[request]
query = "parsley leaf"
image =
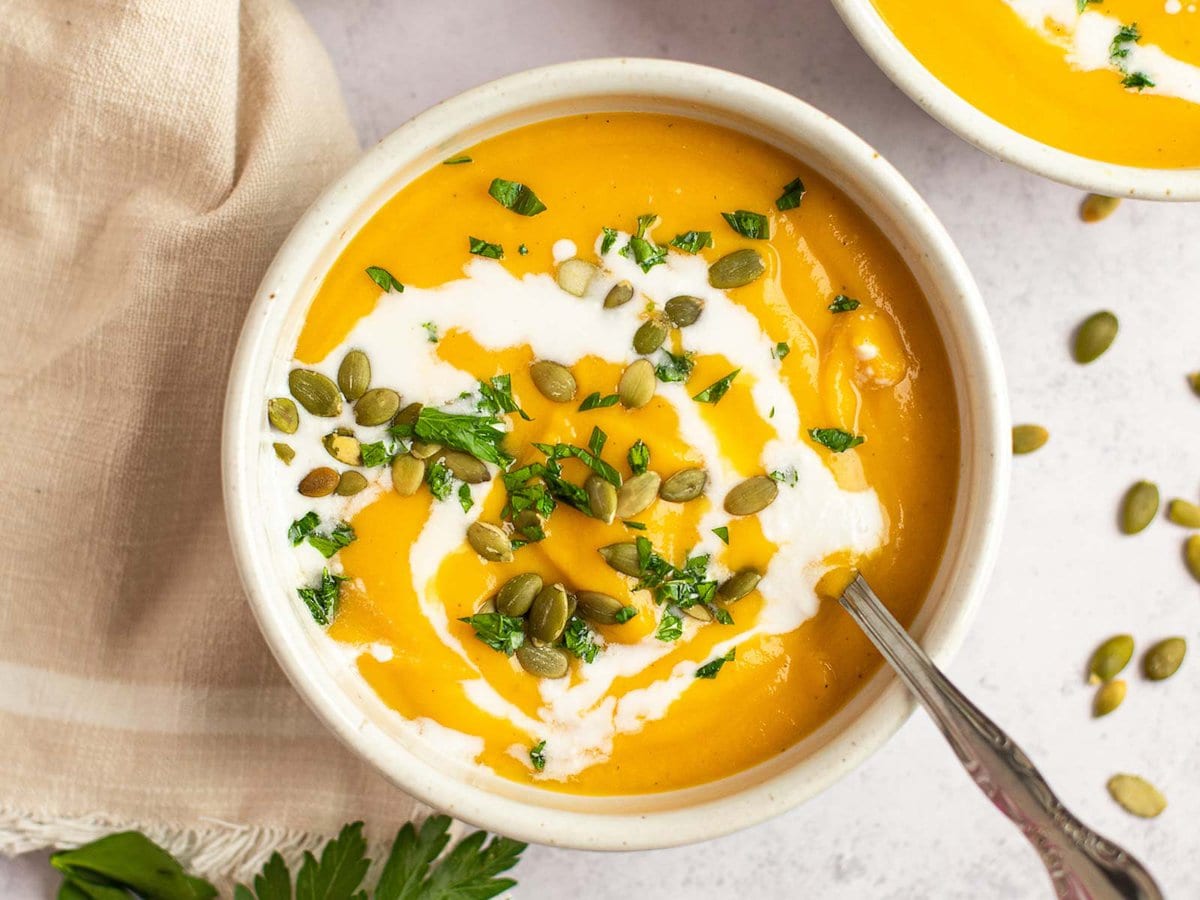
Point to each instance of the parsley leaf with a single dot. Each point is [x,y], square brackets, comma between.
[639,457]
[385,279]
[523,250]
[841,303]
[327,545]
[711,668]
[692,241]
[674,367]
[610,238]
[496,396]
[722,532]
[1081,5]
[439,479]
[595,401]
[577,639]
[589,458]
[303,527]
[465,500]
[500,632]
[835,439]
[537,756]
[516,196]
[431,332]
[322,599]
[722,615]
[715,391]
[467,872]
[788,476]
[781,350]
[457,160]
[636,526]
[681,587]
[480,247]
[341,869]
[624,614]
[1121,43]
[477,435]
[748,224]
[597,440]
[1139,80]
[644,253]
[793,193]
[123,865]
[377,454]
[670,627]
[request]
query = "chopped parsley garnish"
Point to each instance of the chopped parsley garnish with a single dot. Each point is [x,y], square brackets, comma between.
[1122,41]
[537,756]
[457,160]
[377,454]
[781,350]
[480,247]
[670,627]
[610,238]
[597,440]
[674,367]
[721,615]
[644,253]
[303,527]
[385,279]
[722,532]
[1081,5]
[589,458]
[577,639]
[328,544]
[681,587]
[748,224]
[692,241]
[624,614]
[636,526]
[431,332]
[523,250]
[522,496]
[477,435]
[439,479]
[788,476]
[322,599]
[639,457]
[496,396]
[793,193]
[715,391]
[595,401]
[516,196]
[465,500]
[841,303]
[835,439]
[502,633]
[712,667]
[1139,80]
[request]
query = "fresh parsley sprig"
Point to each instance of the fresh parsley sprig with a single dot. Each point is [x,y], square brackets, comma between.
[478,435]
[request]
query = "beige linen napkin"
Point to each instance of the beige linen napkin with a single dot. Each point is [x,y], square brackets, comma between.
[153,155]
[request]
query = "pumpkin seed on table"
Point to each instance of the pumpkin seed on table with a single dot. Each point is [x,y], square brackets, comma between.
[637,493]
[283,415]
[354,375]
[285,452]
[739,584]
[1136,795]
[1164,658]
[575,275]
[602,498]
[1110,695]
[623,557]
[1027,438]
[466,467]
[344,448]
[320,482]
[683,310]
[751,496]
[1110,658]
[1094,336]
[350,483]
[424,449]
[490,542]
[1097,207]
[1183,513]
[1139,507]
[516,595]
[597,607]
[315,392]
[376,407]
[684,485]
[618,295]
[637,385]
[1191,555]
[549,613]
[408,474]
[544,662]
[650,336]
[553,381]
[736,269]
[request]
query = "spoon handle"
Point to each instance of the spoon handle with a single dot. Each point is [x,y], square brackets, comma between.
[1082,864]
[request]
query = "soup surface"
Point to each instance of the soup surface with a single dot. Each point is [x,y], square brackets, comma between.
[1117,81]
[590,559]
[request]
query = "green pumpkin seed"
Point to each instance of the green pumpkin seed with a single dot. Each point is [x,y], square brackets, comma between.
[599,608]
[1108,698]
[618,295]
[343,448]
[554,382]
[549,613]
[1110,658]
[320,482]
[683,310]
[699,613]
[284,452]
[650,336]
[1096,207]
[637,385]
[316,393]
[1191,555]
[1164,658]
[574,276]
[544,662]
[354,375]
[623,557]
[516,595]
[376,407]
[490,542]
[350,483]
[1139,507]
[424,449]
[602,498]
[409,414]
[751,496]
[283,415]
[1136,795]
[1194,381]
[684,485]
[1027,438]
[527,522]
[736,269]
[1094,335]
[465,467]
[739,584]
[408,473]
[1183,513]
[637,493]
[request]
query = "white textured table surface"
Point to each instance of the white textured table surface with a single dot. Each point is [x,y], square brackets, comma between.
[909,824]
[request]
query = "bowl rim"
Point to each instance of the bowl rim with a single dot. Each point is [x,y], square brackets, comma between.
[287,276]
[993,137]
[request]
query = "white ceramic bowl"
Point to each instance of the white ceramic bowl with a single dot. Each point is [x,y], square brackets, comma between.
[349,707]
[1002,142]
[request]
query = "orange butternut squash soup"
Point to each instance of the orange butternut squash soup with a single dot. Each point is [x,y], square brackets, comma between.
[1117,81]
[574,428]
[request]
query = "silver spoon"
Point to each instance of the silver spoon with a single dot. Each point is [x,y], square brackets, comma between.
[1082,864]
